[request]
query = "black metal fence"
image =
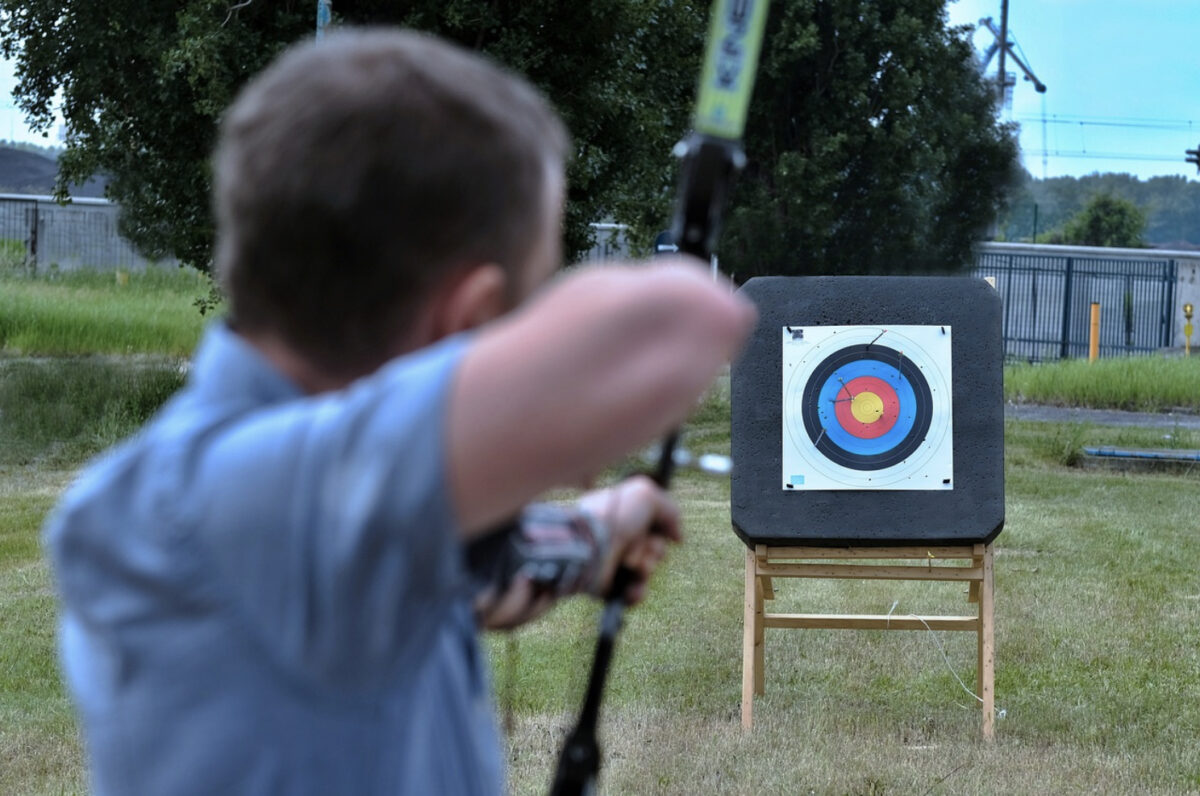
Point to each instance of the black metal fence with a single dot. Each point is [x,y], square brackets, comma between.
[82,234]
[1048,298]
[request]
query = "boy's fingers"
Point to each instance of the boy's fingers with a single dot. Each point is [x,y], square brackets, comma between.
[518,604]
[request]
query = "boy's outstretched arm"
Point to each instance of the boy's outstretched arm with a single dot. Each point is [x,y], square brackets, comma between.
[601,362]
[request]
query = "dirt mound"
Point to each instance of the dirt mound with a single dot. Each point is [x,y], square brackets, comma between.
[31,173]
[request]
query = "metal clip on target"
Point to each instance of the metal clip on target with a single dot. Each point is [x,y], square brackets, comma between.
[710,156]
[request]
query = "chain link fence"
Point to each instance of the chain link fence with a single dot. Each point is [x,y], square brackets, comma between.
[43,235]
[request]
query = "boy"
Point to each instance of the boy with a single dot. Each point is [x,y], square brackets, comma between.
[267,591]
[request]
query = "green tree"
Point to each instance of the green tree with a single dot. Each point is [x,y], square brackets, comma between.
[1106,220]
[872,137]
[141,86]
[1171,206]
[1016,219]
[1172,211]
[873,144]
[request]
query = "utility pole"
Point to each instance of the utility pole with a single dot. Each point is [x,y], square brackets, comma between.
[1002,78]
[1004,47]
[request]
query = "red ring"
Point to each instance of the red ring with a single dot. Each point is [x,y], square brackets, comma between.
[875,428]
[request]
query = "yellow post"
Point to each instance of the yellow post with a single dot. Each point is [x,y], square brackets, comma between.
[1094,337]
[1187,330]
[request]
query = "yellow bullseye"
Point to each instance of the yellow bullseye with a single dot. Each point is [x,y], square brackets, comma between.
[867,407]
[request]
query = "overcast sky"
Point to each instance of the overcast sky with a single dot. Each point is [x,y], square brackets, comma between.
[1122,78]
[12,121]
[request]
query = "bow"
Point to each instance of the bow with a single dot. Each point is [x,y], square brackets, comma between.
[710,156]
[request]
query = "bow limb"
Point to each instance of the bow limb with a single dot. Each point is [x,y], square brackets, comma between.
[710,155]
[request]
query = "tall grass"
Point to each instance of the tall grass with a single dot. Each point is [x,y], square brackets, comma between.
[1147,384]
[59,411]
[101,312]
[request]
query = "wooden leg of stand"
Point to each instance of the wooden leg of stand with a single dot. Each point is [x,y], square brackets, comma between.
[750,633]
[761,592]
[976,561]
[987,646]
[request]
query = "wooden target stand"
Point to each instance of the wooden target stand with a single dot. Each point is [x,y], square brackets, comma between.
[801,520]
[765,563]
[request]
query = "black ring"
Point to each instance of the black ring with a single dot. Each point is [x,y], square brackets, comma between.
[886,356]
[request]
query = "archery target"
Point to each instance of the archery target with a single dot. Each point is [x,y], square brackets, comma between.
[867,407]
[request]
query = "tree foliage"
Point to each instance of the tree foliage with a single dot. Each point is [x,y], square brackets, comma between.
[1105,221]
[873,144]
[872,141]
[1171,206]
[142,85]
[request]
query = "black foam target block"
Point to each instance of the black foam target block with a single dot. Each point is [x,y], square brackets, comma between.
[850,383]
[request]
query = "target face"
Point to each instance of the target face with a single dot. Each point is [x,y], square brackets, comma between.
[866,407]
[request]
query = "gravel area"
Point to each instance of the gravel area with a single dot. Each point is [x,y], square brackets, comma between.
[1101,417]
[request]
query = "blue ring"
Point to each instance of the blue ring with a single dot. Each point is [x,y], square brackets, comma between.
[832,390]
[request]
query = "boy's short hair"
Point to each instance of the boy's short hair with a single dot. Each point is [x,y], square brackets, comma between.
[358,170]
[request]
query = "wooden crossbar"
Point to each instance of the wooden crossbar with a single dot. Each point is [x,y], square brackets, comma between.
[961,552]
[904,572]
[764,563]
[871,622]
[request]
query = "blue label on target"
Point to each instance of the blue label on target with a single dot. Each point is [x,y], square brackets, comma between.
[867,407]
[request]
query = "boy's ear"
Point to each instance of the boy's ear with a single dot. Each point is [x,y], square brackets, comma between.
[474,299]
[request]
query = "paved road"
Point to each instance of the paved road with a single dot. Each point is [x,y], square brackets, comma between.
[1101,417]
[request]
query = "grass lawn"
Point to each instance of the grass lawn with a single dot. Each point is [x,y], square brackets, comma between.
[39,746]
[1097,606]
[1097,662]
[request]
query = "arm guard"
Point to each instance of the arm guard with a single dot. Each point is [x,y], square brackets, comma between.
[561,550]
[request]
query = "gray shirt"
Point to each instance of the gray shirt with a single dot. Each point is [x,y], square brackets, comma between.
[264,592]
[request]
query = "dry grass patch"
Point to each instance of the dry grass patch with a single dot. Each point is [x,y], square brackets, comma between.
[825,750]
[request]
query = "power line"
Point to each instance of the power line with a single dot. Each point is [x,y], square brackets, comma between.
[1134,125]
[1085,117]
[1058,153]
[1098,121]
[1083,123]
